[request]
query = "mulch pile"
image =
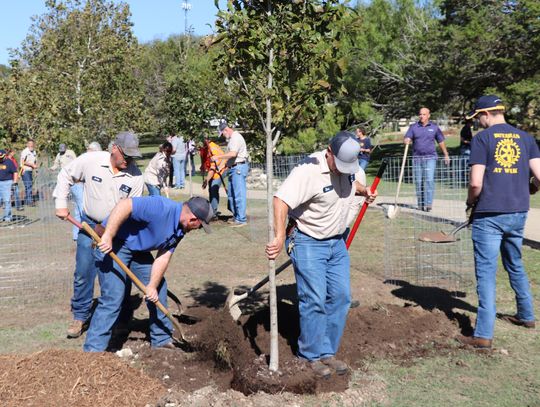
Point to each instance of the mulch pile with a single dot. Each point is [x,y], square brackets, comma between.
[73,378]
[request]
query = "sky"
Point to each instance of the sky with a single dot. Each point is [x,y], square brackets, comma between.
[152,19]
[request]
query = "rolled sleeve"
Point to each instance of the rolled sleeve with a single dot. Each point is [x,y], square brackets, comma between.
[439,136]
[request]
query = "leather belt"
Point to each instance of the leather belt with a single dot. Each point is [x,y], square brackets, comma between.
[235,164]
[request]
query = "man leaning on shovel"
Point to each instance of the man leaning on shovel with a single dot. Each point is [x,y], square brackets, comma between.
[319,196]
[135,228]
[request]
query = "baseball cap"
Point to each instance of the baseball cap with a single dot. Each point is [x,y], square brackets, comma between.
[222,126]
[129,143]
[486,103]
[2,154]
[345,149]
[62,148]
[201,208]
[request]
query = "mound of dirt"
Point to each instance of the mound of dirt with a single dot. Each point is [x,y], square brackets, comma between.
[68,377]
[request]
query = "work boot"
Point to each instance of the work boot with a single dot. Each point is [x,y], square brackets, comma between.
[475,342]
[513,319]
[340,367]
[320,369]
[75,329]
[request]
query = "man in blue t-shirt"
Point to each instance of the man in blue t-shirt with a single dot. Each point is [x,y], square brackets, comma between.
[423,135]
[501,158]
[8,175]
[365,147]
[135,227]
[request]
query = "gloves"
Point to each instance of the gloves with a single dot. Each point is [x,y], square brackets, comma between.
[204,184]
[533,189]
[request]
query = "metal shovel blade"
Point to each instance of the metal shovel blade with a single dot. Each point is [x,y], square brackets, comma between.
[233,302]
[392,211]
[437,237]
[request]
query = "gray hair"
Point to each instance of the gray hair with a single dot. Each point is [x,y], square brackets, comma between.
[93,146]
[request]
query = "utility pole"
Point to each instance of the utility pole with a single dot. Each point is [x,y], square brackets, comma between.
[186,6]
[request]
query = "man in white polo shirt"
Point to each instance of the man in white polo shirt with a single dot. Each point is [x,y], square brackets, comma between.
[108,178]
[237,160]
[320,196]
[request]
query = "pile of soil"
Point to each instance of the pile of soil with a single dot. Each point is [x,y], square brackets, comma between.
[74,378]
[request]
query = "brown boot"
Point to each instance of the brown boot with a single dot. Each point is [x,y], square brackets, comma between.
[513,319]
[340,367]
[75,329]
[320,369]
[475,342]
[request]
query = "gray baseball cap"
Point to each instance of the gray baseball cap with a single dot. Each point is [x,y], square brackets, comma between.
[62,148]
[345,149]
[200,207]
[129,143]
[222,126]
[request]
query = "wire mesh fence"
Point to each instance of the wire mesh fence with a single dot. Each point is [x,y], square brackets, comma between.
[407,258]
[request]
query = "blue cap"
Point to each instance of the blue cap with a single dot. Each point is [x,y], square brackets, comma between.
[2,154]
[486,103]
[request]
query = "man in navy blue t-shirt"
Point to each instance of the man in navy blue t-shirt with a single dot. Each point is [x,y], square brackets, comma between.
[135,227]
[501,158]
[8,175]
[365,147]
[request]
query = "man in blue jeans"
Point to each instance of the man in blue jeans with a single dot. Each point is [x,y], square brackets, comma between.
[423,136]
[134,228]
[178,159]
[501,158]
[8,175]
[320,198]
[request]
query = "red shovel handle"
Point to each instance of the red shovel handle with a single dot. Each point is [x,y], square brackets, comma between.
[366,204]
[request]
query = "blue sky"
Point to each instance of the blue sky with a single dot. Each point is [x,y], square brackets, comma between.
[152,19]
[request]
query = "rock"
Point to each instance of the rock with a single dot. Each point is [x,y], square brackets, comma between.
[124,353]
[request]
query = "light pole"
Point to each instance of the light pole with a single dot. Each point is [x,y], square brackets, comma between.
[186,6]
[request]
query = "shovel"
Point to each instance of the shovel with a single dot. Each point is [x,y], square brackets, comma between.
[84,226]
[441,237]
[392,211]
[236,295]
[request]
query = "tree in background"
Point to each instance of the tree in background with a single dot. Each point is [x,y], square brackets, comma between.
[73,77]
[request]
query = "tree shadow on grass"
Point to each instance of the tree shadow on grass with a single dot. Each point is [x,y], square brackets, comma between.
[430,298]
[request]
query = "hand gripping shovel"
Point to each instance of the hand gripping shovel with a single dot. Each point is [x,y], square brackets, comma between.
[84,226]
[236,295]
[392,211]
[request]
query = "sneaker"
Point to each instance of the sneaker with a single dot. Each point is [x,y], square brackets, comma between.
[340,367]
[75,329]
[513,319]
[427,209]
[320,369]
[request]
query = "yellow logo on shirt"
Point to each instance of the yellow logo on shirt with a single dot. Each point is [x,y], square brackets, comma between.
[507,153]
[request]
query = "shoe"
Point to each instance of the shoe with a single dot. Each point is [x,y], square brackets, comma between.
[20,209]
[340,367]
[513,319]
[320,369]
[427,209]
[475,342]
[238,224]
[75,329]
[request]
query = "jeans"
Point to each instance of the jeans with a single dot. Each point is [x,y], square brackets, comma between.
[363,163]
[27,181]
[238,191]
[16,196]
[213,193]
[322,275]
[192,160]
[491,233]
[113,282]
[77,191]
[179,172]
[5,198]
[424,179]
[153,190]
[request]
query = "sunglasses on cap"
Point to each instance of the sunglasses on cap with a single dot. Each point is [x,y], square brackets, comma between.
[124,156]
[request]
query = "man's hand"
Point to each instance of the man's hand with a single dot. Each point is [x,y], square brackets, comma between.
[469,210]
[62,213]
[274,248]
[446,160]
[106,243]
[214,158]
[406,140]
[151,294]
[370,195]
[533,188]
[204,184]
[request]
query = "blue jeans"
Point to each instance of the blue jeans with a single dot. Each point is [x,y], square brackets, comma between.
[113,284]
[27,181]
[363,163]
[491,233]
[179,172]
[5,198]
[424,179]
[322,275]
[77,191]
[213,193]
[153,190]
[238,191]
[192,159]
[16,197]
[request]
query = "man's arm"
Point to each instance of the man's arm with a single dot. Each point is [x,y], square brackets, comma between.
[442,145]
[69,175]
[159,267]
[281,210]
[534,165]
[56,163]
[476,183]
[119,214]
[228,155]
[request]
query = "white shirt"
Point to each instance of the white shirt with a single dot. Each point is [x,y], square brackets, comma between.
[157,171]
[62,160]
[322,203]
[102,188]
[238,144]
[28,157]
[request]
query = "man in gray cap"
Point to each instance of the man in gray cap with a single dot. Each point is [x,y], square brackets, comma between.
[135,228]
[108,178]
[321,196]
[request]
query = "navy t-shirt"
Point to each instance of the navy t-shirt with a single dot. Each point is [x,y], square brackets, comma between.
[505,151]
[365,143]
[154,224]
[7,169]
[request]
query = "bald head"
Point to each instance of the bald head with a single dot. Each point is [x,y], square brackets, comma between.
[424,115]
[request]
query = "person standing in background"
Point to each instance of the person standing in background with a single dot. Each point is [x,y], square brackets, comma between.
[178,160]
[157,172]
[15,187]
[28,165]
[365,147]
[8,175]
